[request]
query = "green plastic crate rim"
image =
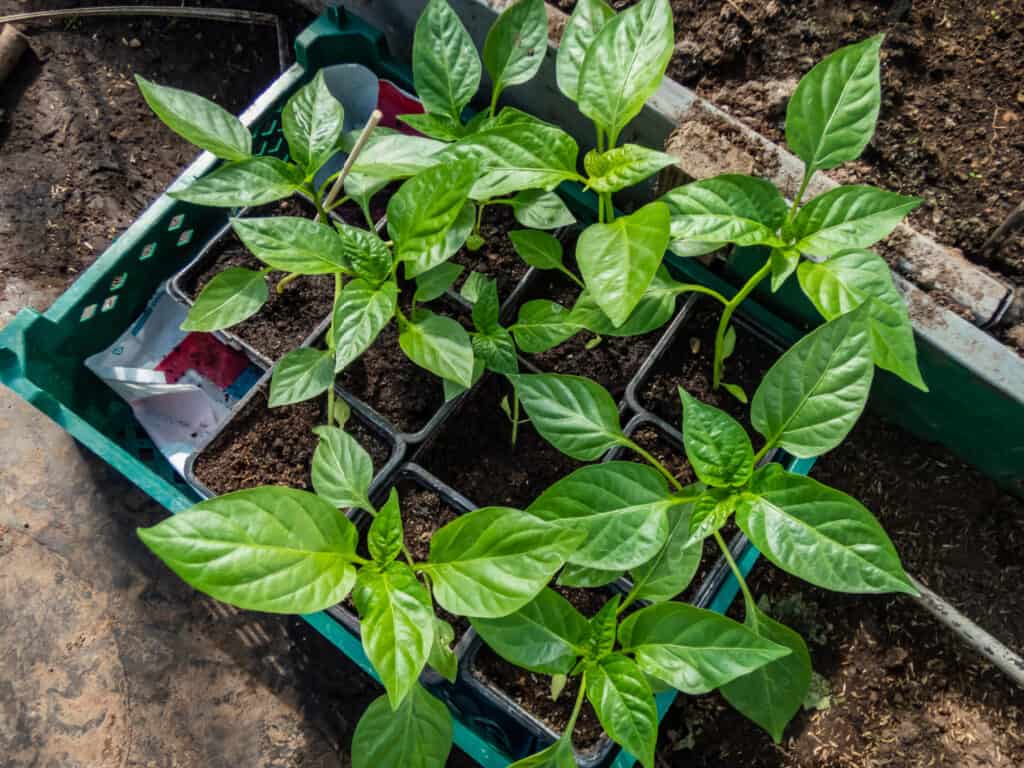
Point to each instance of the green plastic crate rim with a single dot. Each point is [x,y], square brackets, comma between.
[42,355]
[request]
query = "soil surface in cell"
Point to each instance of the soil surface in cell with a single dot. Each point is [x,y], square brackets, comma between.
[496,258]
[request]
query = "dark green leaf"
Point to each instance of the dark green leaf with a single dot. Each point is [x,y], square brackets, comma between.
[434,282]
[342,469]
[293,244]
[385,538]
[672,569]
[445,66]
[229,298]
[717,446]
[271,549]
[366,254]
[435,126]
[418,262]
[301,374]
[418,734]
[602,626]
[624,704]
[588,17]
[438,344]
[622,167]
[542,325]
[538,249]
[848,217]
[255,181]
[360,314]
[312,122]
[497,350]
[541,210]
[487,307]
[516,44]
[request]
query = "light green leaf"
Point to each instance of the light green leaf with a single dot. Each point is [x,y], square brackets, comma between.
[301,374]
[293,244]
[360,314]
[442,658]
[435,126]
[544,636]
[493,561]
[558,755]
[711,511]
[472,286]
[772,694]
[271,549]
[730,208]
[487,307]
[601,630]
[438,344]
[784,262]
[656,307]
[342,470]
[625,63]
[418,734]
[813,395]
[538,249]
[229,298]
[312,122]
[255,181]
[587,20]
[672,569]
[541,210]
[831,115]
[543,325]
[852,278]
[619,260]
[717,446]
[391,156]
[426,206]
[516,44]
[692,649]
[620,505]
[497,350]
[624,704]
[396,623]
[197,120]
[590,578]
[418,262]
[848,217]
[434,282]
[819,534]
[445,65]
[453,390]
[365,252]
[574,414]
[622,167]
[386,536]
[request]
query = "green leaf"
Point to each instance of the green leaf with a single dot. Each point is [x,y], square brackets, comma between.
[541,210]
[365,252]
[587,20]
[453,390]
[438,344]
[544,636]
[391,156]
[692,649]
[271,549]
[472,286]
[813,395]
[197,120]
[385,537]
[293,244]
[672,569]
[711,511]
[301,374]
[516,43]
[493,561]
[497,350]
[418,262]
[730,208]
[418,734]
[229,298]
[831,116]
[655,308]
[434,282]
[625,63]
[442,658]
[426,206]
[736,391]
[590,578]
[717,446]
[445,65]
[619,260]
[342,470]
[622,167]
[396,623]
[574,414]
[558,755]
[819,534]
[849,217]
[772,694]
[542,325]
[435,126]
[784,262]
[487,307]
[255,181]
[360,314]
[538,249]
[514,157]
[312,122]
[850,279]
[620,505]
[601,634]
[624,704]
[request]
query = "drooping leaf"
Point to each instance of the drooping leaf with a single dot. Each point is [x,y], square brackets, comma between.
[232,296]
[434,282]
[516,43]
[693,649]
[849,217]
[574,414]
[418,734]
[624,704]
[301,374]
[543,325]
[367,255]
[386,536]
[360,314]
[850,279]
[538,209]
[427,205]
[622,167]
[445,65]
[819,534]
[271,549]
[538,249]
[717,446]
[625,63]
[442,658]
[493,561]
[342,470]
[831,115]
[255,181]
[293,244]
[438,344]
[619,260]
[586,21]
[544,636]
[673,567]
[197,120]
[312,122]
[621,507]
[813,395]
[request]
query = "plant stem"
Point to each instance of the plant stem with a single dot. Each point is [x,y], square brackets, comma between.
[808,173]
[568,273]
[600,138]
[284,281]
[761,454]
[480,216]
[697,288]
[494,101]
[747,596]
[609,208]
[600,209]
[577,707]
[730,307]
[654,463]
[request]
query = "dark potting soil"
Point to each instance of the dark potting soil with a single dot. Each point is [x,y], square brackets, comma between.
[473,452]
[688,363]
[496,258]
[664,449]
[273,446]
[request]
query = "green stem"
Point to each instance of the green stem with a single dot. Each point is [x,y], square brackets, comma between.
[696,288]
[600,209]
[338,284]
[747,596]
[494,100]
[283,282]
[808,173]
[568,273]
[600,138]
[609,208]
[577,707]
[730,307]
[480,216]
[654,463]
[515,417]
[761,454]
